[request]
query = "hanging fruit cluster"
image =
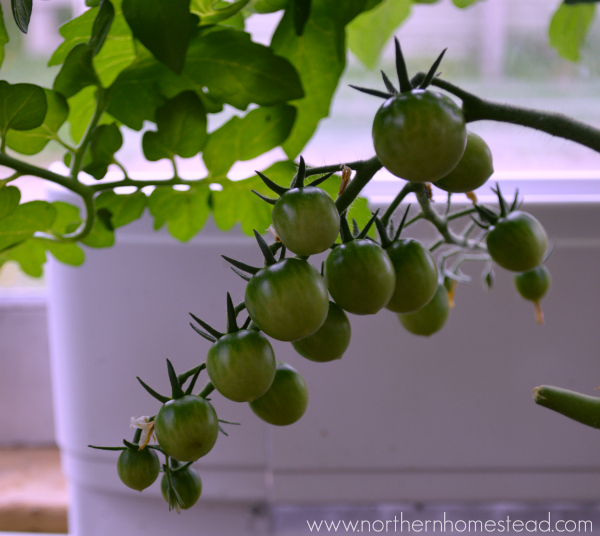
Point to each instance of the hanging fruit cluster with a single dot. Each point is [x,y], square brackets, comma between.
[420,136]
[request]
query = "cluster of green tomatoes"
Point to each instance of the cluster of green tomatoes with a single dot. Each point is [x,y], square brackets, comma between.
[419,136]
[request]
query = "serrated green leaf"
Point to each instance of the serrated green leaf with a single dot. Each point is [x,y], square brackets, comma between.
[9,200]
[319,54]
[369,32]
[106,140]
[101,26]
[24,221]
[245,138]
[33,141]
[163,28]
[22,13]
[100,236]
[181,124]
[569,27]
[184,212]
[3,36]
[77,72]
[67,218]
[123,208]
[22,106]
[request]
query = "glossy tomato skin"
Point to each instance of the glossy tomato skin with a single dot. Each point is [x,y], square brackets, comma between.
[360,277]
[330,341]
[517,242]
[534,284]
[416,275]
[472,171]
[187,484]
[306,220]
[430,318]
[287,300]
[285,401]
[138,469]
[419,136]
[187,428]
[241,365]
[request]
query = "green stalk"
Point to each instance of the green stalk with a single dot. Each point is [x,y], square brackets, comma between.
[579,407]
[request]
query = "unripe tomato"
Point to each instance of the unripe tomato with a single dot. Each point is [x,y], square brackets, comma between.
[416,275]
[187,484]
[241,365]
[287,300]
[285,401]
[138,469]
[360,277]
[330,341]
[534,284]
[187,428]
[472,171]
[430,318]
[306,220]
[420,135]
[517,242]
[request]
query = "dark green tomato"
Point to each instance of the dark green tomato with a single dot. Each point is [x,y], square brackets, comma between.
[330,341]
[241,365]
[187,428]
[431,317]
[287,300]
[416,275]
[138,469]
[473,170]
[534,284]
[360,277]
[285,401]
[419,136]
[306,220]
[517,242]
[187,484]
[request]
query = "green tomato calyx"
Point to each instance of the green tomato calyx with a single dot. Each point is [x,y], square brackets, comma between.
[490,217]
[387,236]
[347,235]
[210,333]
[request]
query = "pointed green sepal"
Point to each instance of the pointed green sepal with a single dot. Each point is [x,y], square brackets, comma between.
[403,79]
[388,84]
[246,323]
[279,190]
[318,181]
[190,387]
[152,392]
[242,266]
[265,198]
[516,204]
[364,232]
[373,92]
[183,377]
[355,229]
[401,226]
[177,391]
[282,254]
[298,180]
[106,448]
[130,446]
[480,224]
[181,467]
[244,276]
[486,214]
[345,233]
[501,201]
[431,74]
[232,326]
[206,336]
[208,328]
[383,236]
[266,250]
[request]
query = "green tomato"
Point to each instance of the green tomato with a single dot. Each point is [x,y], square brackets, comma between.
[416,275]
[330,341]
[186,482]
[473,170]
[430,318]
[360,277]
[534,284]
[138,469]
[285,401]
[241,365]
[306,220]
[287,300]
[419,136]
[187,428]
[517,242]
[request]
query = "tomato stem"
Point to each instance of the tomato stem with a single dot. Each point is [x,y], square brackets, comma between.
[579,407]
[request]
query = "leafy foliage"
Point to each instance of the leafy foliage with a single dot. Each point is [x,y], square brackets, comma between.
[569,27]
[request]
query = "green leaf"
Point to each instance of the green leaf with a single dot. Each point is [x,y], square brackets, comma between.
[319,54]
[9,200]
[101,235]
[164,28]
[184,212]
[464,3]
[106,140]
[65,252]
[369,32]
[101,26]
[238,71]
[3,36]
[77,72]
[301,9]
[245,138]
[81,109]
[33,141]
[569,27]
[215,12]
[22,13]
[22,106]
[30,255]
[268,6]
[67,218]
[74,32]
[181,124]
[24,221]
[123,208]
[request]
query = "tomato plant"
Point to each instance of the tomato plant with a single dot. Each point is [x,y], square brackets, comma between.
[185,484]
[533,286]
[430,318]
[138,469]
